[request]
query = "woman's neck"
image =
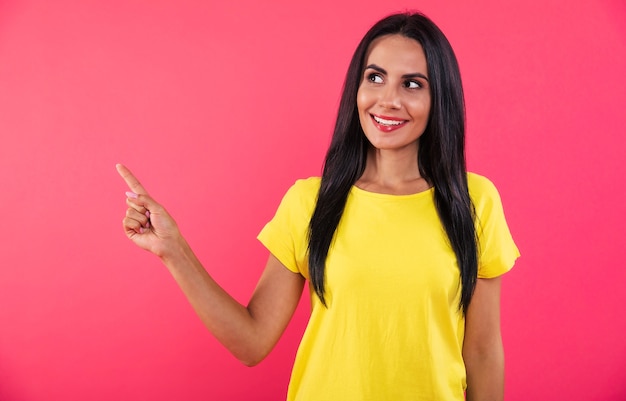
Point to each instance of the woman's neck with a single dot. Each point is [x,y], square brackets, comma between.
[392,172]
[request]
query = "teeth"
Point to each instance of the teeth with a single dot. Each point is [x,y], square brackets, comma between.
[387,122]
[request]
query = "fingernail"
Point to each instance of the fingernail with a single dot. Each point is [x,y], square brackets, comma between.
[140,230]
[148,214]
[132,195]
[148,225]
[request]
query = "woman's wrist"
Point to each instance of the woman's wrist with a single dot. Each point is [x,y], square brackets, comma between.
[177,250]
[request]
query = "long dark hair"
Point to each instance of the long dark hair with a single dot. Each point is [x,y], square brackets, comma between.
[441,153]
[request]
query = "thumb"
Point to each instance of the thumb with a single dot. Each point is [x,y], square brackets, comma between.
[143,201]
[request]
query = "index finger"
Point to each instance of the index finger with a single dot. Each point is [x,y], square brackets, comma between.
[132,182]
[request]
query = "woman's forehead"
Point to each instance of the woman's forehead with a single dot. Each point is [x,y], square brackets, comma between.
[396,52]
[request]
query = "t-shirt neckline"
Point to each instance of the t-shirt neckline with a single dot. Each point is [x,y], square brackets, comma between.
[359,191]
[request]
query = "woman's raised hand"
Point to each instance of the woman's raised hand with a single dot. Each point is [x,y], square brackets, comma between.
[146,222]
[248,332]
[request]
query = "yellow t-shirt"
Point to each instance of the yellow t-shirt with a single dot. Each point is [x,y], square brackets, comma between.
[392,329]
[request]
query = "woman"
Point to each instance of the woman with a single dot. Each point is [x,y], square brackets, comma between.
[402,247]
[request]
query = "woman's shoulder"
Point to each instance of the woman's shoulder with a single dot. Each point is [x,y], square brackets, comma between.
[478,181]
[310,184]
[303,192]
[481,189]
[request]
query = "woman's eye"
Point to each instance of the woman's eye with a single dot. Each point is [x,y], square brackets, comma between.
[375,78]
[412,84]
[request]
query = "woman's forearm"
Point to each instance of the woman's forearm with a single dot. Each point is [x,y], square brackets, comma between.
[229,321]
[483,351]
[485,374]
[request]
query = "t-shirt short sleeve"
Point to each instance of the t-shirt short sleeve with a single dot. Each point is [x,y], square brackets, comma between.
[497,250]
[285,236]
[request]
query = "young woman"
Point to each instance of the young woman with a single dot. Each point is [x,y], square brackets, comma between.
[402,247]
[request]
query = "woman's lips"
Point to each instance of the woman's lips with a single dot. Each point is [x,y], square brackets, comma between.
[386,123]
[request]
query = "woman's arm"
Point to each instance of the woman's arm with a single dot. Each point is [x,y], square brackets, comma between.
[249,333]
[483,352]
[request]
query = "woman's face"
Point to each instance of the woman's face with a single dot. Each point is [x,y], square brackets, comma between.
[394,97]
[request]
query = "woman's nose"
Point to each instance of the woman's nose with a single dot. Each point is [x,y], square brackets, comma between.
[390,98]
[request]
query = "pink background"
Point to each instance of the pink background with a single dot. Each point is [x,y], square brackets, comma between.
[218,107]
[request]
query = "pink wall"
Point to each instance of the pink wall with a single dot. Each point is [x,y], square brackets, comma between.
[218,107]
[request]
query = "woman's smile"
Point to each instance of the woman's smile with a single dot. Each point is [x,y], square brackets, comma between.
[388,124]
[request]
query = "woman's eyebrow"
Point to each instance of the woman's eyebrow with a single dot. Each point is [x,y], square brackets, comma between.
[382,71]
